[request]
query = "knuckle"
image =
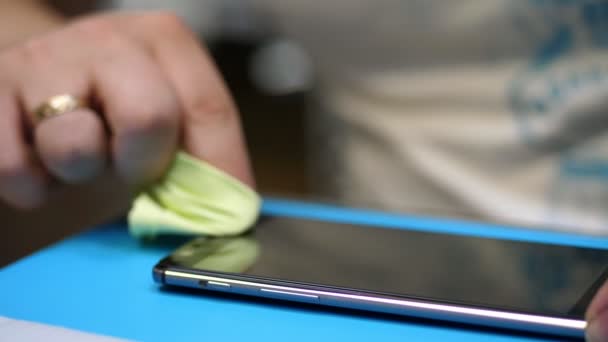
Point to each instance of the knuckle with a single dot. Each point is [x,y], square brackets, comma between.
[167,21]
[203,111]
[98,29]
[149,120]
[32,51]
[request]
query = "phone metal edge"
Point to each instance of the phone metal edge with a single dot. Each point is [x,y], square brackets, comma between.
[413,308]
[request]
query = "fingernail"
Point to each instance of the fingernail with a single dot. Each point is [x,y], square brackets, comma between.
[597,330]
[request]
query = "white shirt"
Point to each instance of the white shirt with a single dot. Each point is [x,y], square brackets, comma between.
[491,107]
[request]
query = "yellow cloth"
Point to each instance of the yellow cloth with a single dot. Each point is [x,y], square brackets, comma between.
[194,198]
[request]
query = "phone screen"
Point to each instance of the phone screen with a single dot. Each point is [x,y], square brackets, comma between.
[511,275]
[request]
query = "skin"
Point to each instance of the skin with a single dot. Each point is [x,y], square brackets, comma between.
[597,316]
[152,88]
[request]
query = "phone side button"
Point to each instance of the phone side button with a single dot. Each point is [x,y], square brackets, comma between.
[215,285]
[292,296]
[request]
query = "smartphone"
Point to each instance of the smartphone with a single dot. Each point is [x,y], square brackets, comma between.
[518,285]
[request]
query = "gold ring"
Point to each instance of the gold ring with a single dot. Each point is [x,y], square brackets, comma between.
[58,105]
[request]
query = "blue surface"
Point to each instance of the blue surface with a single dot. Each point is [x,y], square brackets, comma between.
[100,282]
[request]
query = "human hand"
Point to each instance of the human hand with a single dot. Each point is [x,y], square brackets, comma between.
[597,316]
[151,87]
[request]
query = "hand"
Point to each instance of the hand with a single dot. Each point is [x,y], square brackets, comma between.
[153,89]
[597,317]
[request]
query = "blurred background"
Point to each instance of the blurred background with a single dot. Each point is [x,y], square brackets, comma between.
[488,109]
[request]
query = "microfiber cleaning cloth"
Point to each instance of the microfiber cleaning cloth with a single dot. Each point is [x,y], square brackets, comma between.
[194,198]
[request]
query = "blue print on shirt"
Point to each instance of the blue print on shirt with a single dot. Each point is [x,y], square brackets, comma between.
[541,95]
[542,90]
[548,97]
[595,17]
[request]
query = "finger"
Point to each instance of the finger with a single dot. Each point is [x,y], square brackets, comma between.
[72,146]
[597,316]
[22,181]
[211,127]
[142,111]
[599,303]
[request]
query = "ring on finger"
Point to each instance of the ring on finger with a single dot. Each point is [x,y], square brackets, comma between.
[58,105]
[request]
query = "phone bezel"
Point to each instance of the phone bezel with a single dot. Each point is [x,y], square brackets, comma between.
[513,319]
[172,274]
